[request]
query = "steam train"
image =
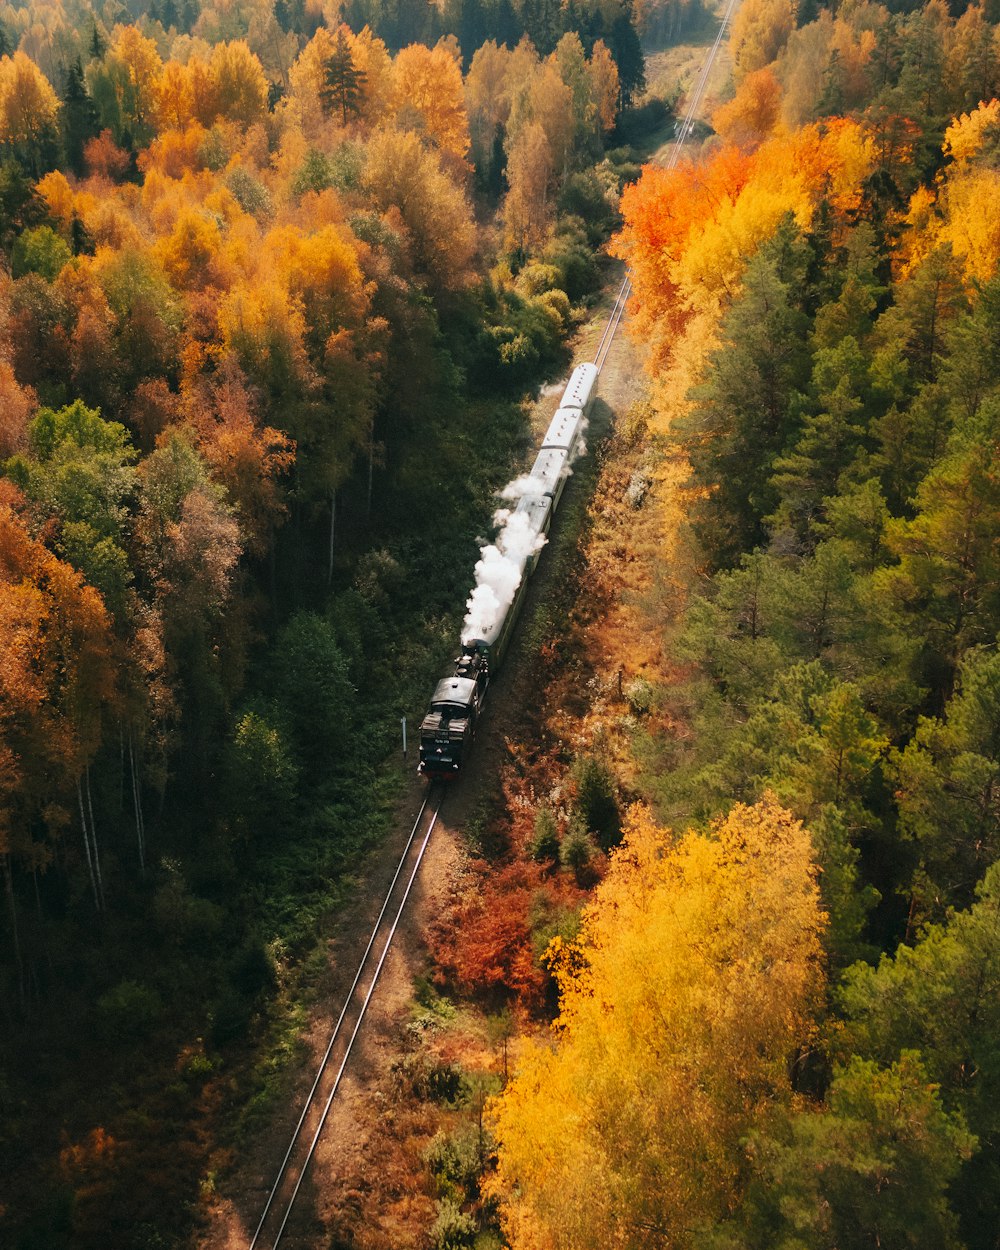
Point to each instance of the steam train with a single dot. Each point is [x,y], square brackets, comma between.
[449,727]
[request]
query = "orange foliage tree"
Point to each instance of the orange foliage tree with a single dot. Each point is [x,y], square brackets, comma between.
[604,85]
[528,207]
[689,231]
[56,677]
[759,31]
[401,172]
[28,110]
[428,97]
[487,96]
[248,459]
[696,974]
[17,403]
[751,116]
[103,157]
[240,83]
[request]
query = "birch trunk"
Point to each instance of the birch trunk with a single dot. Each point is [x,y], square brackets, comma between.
[93,838]
[333,523]
[371,468]
[86,844]
[140,824]
[15,933]
[121,767]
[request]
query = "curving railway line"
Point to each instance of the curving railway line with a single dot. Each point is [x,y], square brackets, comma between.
[685,125]
[277,1214]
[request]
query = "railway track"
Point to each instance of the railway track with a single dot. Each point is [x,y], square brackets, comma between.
[684,128]
[700,86]
[276,1217]
[614,321]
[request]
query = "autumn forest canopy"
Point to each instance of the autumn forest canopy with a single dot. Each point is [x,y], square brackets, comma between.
[765,1042]
[239,305]
[272,286]
[274,279]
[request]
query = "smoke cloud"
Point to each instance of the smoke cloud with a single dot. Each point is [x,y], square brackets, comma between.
[499,571]
[501,563]
[513,491]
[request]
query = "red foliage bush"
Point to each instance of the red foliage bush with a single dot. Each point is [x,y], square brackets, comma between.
[484,943]
[105,158]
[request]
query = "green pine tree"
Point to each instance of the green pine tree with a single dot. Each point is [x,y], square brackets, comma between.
[344,80]
[97,43]
[746,410]
[79,117]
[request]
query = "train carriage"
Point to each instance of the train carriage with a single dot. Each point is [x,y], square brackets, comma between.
[581,388]
[564,431]
[548,473]
[537,511]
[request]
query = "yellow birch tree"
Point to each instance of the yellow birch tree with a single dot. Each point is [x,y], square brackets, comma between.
[694,980]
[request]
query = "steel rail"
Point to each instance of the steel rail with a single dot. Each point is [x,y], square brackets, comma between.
[614,321]
[686,126]
[608,331]
[357,1027]
[701,84]
[309,1100]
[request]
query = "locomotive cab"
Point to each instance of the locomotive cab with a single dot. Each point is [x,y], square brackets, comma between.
[450,725]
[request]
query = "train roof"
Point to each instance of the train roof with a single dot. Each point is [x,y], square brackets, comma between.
[534,505]
[580,387]
[537,508]
[454,690]
[563,428]
[548,467]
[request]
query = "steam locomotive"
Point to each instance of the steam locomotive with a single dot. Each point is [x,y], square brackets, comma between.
[449,727]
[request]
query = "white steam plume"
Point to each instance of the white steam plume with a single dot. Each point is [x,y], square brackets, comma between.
[498,573]
[513,491]
[501,563]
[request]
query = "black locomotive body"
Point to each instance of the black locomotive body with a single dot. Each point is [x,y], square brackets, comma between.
[449,727]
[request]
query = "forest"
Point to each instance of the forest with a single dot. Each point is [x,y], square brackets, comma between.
[273,285]
[276,277]
[778,1011]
